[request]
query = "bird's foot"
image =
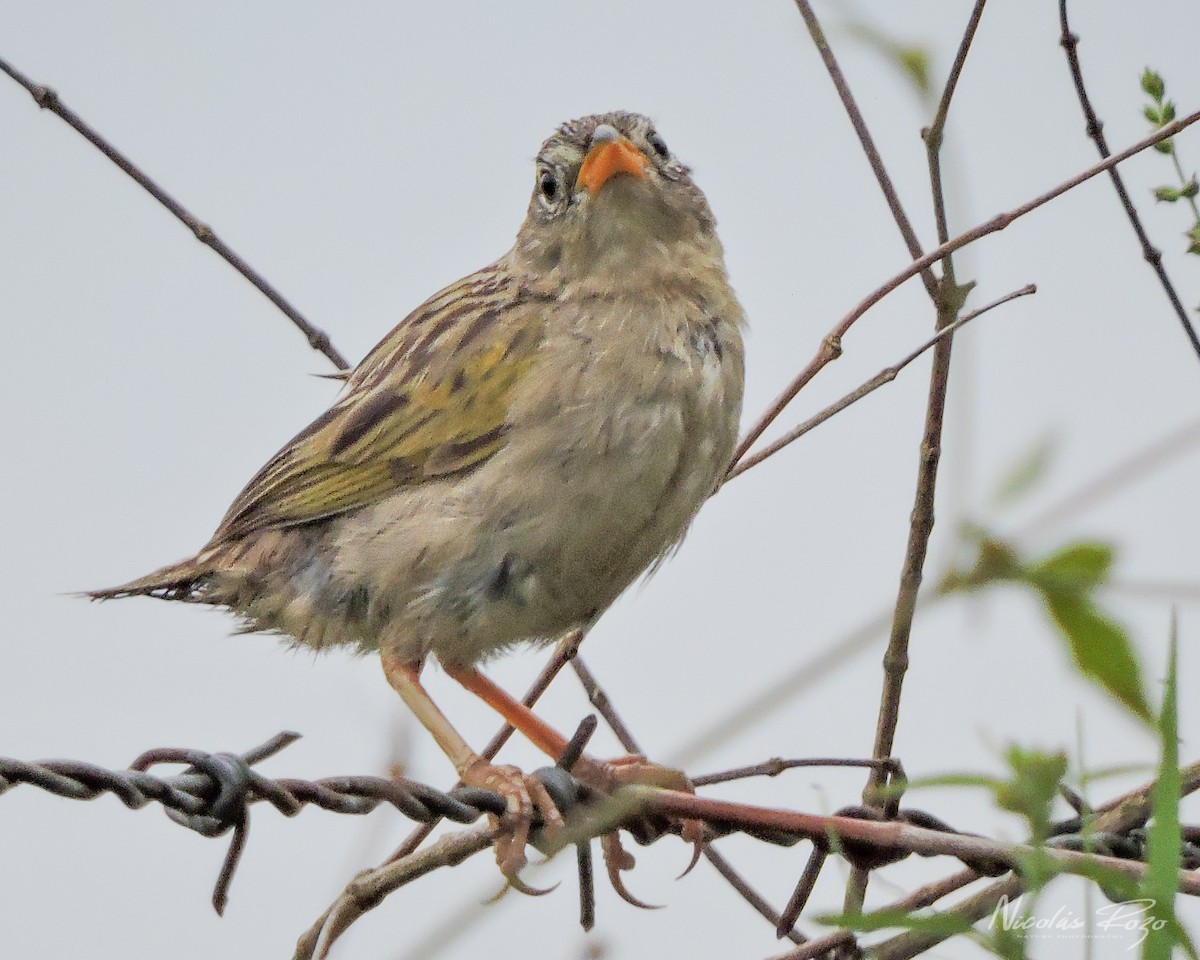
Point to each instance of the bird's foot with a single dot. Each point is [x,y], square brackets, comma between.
[525,795]
[607,776]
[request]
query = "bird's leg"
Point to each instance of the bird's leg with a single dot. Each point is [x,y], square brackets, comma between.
[523,794]
[604,775]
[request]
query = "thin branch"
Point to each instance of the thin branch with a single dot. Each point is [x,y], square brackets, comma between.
[831,346]
[926,896]
[1095,129]
[369,888]
[599,699]
[748,893]
[887,375]
[776,766]
[882,835]
[47,99]
[949,302]
[868,144]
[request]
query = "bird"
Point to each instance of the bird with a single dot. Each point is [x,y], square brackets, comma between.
[511,457]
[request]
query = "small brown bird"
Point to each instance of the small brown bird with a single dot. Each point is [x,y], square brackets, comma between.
[512,455]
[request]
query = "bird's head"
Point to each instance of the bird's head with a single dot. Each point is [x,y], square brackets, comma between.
[609,195]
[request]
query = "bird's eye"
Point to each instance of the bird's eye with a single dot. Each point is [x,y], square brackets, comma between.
[659,145]
[548,186]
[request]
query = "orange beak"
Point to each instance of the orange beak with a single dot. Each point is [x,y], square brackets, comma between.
[606,159]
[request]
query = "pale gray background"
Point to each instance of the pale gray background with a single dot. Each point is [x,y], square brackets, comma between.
[363,155]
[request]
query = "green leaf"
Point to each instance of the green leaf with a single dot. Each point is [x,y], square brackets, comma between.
[1168,113]
[915,62]
[1078,567]
[1190,189]
[1100,649]
[1153,84]
[1167,194]
[937,923]
[1164,840]
[1033,788]
[1165,146]
[1151,113]
[995,562]
[1024,475]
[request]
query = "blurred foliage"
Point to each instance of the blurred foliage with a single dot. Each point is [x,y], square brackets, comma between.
[1160,111]
[1066,582]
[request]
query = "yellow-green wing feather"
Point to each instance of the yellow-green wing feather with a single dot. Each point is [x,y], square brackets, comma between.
[430,400]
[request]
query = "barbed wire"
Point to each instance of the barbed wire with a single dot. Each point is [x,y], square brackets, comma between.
[214,793]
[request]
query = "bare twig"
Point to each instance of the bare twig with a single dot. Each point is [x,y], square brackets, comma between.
[369,888]
[881,835]
[919,899]
[949,301]
[831,346]
[1095,129]
[776,766]
[887,375]
[748,893]
[866,142]
[599,699]
[47,99]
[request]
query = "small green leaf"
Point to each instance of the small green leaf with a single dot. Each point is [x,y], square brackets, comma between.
[1167,194]
[1153,84]
[1151,113]
[1168,113]
[1033,788]
[1165,146]
[1100,649]
[1078,567]
[1190,189]
[915,62]
[995,562]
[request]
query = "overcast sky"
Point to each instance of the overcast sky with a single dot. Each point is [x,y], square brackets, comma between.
[363,155]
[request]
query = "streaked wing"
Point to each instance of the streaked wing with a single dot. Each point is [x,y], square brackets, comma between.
[430,400]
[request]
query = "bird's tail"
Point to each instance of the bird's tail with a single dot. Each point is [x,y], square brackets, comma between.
[184,581]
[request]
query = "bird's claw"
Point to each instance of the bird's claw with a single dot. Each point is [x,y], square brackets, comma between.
[609,775]
[524,795]
[616,860]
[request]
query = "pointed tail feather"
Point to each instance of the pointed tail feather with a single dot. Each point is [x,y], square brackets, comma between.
[179,581]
